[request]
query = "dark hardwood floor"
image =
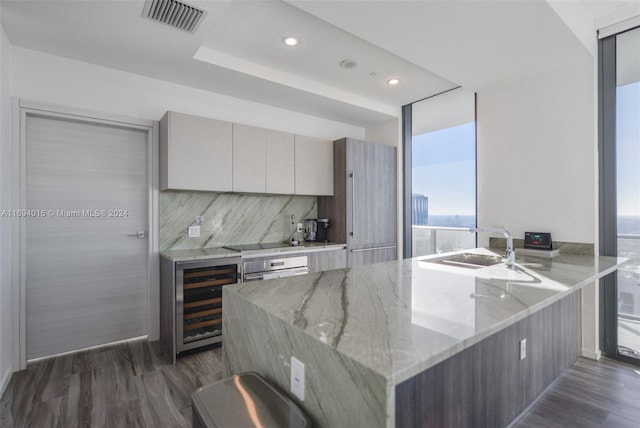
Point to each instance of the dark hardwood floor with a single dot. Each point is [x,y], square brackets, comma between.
[125,385]
[590,394]
[129,385]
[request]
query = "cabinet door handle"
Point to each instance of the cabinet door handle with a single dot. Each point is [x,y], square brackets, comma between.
[139,234]
[352,175]
[388,247]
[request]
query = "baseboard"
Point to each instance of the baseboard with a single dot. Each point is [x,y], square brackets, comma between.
[588,353]
[5,381]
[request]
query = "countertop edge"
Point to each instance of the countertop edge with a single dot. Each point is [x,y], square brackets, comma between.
[410,372]
[187,255]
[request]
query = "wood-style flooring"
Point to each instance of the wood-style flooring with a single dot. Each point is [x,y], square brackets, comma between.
[590,394]
[130,385]
[124,385]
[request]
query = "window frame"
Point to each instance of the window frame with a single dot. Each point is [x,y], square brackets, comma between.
[407,164]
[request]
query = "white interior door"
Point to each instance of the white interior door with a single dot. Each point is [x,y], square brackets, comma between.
[85,277]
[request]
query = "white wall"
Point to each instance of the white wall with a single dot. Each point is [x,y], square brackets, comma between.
[537,165]
[52,79]
[5,203]
[536,155]
[388,133]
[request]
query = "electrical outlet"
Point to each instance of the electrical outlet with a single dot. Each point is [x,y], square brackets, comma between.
[194,231]
[299,227]
[523,349]
[297,378]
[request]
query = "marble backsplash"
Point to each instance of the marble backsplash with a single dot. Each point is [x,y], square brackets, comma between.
[229,218]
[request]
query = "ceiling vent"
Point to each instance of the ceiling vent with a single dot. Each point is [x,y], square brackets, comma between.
[178,14]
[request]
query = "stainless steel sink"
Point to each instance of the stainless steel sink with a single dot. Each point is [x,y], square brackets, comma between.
[467,260]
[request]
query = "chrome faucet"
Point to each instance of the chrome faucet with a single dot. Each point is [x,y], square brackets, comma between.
[510,254]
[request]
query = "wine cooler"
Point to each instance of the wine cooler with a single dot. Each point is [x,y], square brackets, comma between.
[197,304]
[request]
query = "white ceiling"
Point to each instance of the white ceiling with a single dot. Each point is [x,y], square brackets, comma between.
[430,45]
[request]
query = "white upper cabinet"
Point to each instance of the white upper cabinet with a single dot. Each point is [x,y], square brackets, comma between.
[249,159]
[280,162]
[313,166]
[195,153]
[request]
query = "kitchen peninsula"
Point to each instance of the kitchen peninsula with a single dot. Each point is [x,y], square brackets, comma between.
[414,342]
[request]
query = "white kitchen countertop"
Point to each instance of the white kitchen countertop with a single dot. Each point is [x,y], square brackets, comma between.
[399,318]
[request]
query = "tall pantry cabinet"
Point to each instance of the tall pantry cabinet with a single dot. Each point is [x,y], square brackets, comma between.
[363,209]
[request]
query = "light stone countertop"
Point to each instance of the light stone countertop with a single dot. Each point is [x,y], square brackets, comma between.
[198,254]
[400,318]
[220,252]
[306,247]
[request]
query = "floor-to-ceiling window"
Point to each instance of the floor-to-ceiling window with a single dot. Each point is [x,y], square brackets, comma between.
[441,174]
[620,192]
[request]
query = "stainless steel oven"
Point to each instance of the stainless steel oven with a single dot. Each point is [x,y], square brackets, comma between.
[260,268]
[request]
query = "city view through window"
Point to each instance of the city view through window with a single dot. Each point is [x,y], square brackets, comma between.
[628,194]
[444,189]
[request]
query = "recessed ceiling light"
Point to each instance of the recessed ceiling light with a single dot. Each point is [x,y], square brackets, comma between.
[349,63]
[393,81]
[290,41]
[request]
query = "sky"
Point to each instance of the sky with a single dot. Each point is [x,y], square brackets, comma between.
[628,148]
[444,169]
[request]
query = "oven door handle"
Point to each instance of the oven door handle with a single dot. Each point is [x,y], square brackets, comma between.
[252,276]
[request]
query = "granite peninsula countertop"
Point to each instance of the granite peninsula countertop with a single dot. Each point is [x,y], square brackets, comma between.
[221,252]
[400,318]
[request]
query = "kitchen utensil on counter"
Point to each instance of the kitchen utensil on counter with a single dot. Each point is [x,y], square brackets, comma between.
[322,234]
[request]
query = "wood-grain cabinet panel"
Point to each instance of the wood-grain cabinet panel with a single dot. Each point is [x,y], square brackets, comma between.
[488,384]
[327,260]
[370,256]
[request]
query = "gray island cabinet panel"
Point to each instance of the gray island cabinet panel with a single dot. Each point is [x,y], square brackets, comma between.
[488,384]
[411,342]
[195,153]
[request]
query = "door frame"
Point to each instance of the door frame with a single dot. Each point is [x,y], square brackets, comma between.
[22,109]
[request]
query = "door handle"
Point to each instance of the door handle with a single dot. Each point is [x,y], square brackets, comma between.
[352,176]
[139,234]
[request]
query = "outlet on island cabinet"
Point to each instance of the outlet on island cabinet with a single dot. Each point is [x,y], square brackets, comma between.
[198,153]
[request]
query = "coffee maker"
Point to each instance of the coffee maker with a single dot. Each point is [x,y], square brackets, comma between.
[323,230]
[317,230]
